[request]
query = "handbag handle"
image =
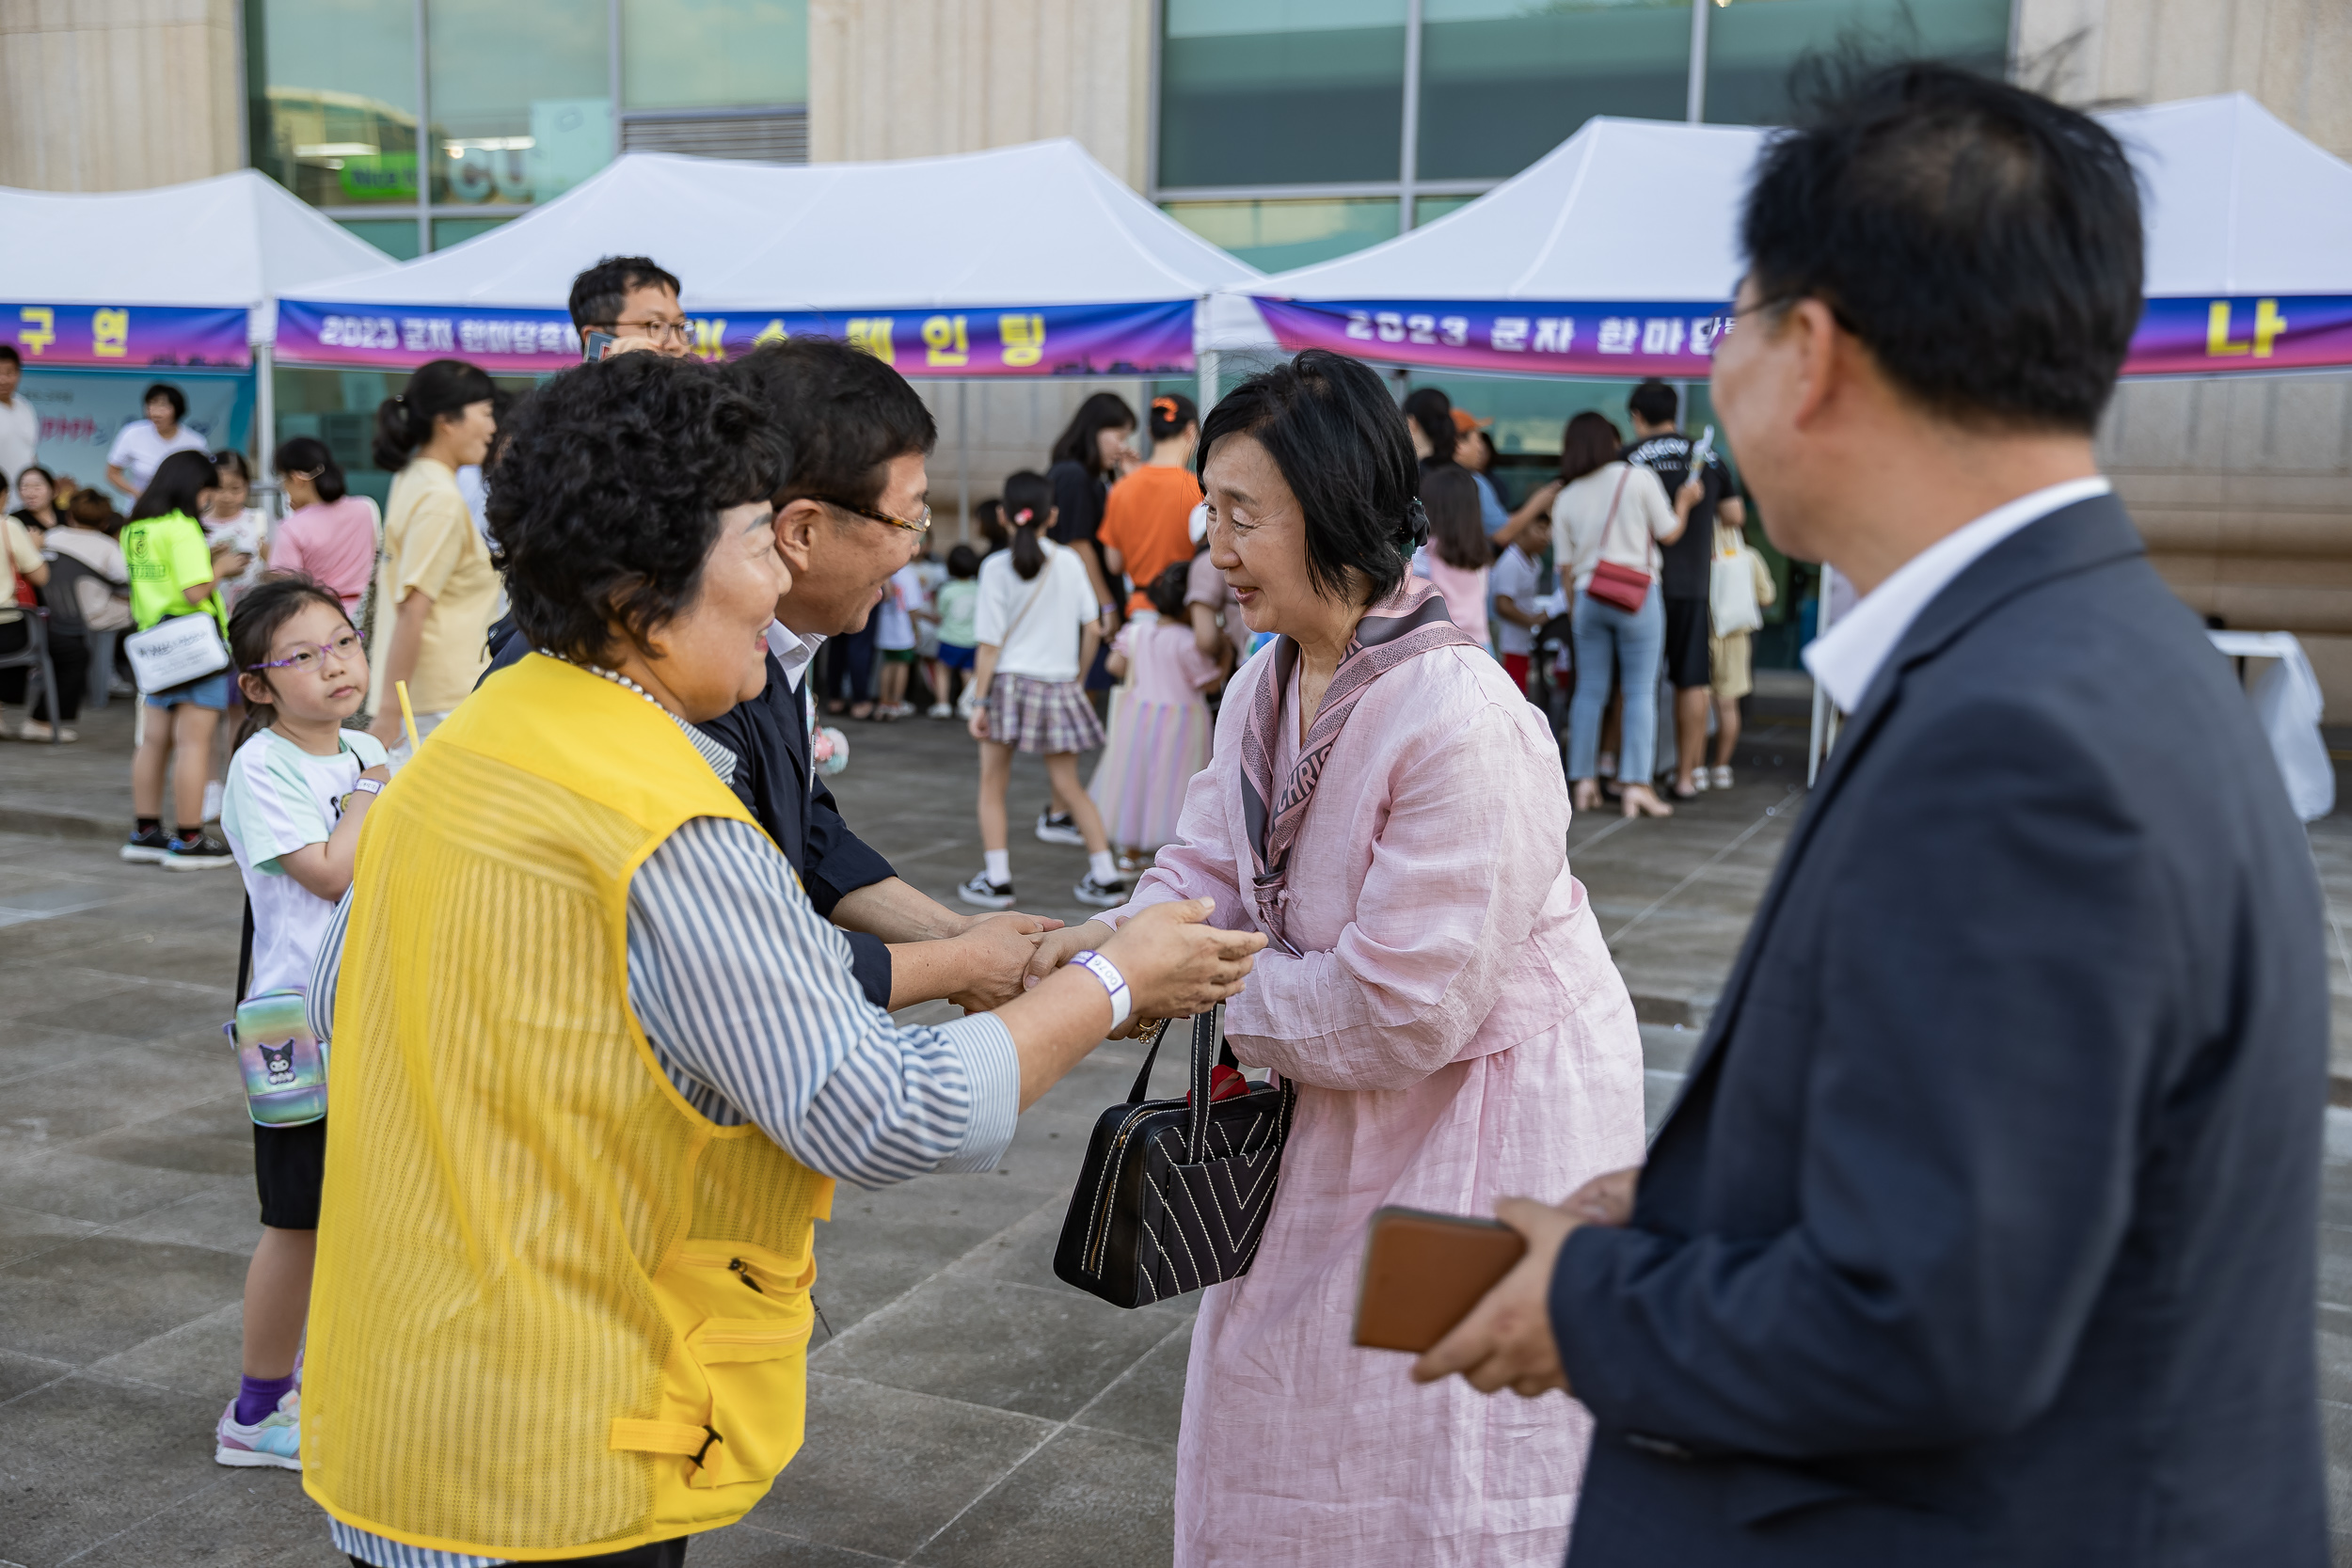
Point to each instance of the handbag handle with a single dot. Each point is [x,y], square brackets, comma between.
[1208,1029]
[1208,1033]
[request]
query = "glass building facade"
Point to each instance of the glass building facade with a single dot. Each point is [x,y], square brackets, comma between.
[1292,131]
[519,101]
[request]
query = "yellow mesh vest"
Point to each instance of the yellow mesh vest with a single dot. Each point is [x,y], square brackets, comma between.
[557,1311]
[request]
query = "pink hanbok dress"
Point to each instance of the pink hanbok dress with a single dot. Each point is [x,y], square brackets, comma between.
[1458,1034]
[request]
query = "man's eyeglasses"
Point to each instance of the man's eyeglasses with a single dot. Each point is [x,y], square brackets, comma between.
[918,525]
[656,331]
[307,660]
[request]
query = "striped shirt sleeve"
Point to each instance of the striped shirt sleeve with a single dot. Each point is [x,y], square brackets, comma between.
[749,1000]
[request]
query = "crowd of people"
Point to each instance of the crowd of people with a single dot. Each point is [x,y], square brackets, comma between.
[1982,1229]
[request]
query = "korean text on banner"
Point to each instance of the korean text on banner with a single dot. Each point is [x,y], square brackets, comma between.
[1149,339]
[125,337]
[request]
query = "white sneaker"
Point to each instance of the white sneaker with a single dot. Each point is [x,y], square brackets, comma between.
[1103,896]
[943,710]
[273,1442]
[1722,779]
[1052,829]
[982,894]
[35,729]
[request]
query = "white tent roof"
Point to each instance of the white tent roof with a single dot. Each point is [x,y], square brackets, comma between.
[238,239]
[2237,202]
[1042,224]
[1623,209]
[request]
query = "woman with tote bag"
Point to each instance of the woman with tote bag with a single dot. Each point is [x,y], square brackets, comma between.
[183,678]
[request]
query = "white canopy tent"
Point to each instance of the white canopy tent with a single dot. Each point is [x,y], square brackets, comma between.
[235,240]
[186,275]
[1636,221]
[1614,254]
[1041,224]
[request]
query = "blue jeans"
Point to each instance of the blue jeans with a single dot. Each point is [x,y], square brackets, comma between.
[1608,638]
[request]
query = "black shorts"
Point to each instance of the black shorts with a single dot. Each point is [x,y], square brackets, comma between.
[1686,643]
[288,1165]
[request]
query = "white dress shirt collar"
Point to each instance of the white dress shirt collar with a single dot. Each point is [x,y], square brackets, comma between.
[1846,658]
[795,652]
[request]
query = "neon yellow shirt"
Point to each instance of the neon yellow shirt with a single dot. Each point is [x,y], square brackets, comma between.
[167,556]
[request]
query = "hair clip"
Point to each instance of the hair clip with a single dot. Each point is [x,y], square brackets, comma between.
[1417,521]
[1023,516]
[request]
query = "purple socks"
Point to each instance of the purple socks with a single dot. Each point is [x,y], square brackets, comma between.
[258,1396]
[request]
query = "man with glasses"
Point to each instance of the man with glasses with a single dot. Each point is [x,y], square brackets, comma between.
[635,301]
[852,512]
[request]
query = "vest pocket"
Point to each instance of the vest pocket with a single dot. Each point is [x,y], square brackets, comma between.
[758,1373]
[749,1351]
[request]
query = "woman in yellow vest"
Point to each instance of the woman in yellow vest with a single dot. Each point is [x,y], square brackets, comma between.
[597,1060]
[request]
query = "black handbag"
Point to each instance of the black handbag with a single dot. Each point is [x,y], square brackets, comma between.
[1174,1194]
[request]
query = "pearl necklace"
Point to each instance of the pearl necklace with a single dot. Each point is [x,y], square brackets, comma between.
[613,675]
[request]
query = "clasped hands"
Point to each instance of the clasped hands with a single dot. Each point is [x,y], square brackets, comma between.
[1506,1342]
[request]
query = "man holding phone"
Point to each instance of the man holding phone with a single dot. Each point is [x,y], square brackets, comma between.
[1985,1228]
[626,304]
[1664,450]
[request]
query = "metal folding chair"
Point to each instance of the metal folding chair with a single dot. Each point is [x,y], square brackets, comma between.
[34,656]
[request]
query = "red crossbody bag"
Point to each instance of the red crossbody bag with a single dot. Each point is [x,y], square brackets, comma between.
[1621,586]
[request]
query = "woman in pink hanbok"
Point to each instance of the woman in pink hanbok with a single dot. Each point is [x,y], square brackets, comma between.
[1392,814]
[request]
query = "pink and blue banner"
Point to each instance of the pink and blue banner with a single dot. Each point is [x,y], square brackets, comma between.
[2210,336]
[2177,337]
[1149,339]
[126,337]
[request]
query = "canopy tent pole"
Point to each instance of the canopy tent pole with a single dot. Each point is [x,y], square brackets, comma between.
[963,461]
[266,431]
[1204,394]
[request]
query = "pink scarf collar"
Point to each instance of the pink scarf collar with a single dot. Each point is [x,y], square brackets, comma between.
[1411,622]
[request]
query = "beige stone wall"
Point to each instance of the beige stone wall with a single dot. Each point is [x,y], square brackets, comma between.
[2242,488]
[910,78]
[108,95]
[918,78]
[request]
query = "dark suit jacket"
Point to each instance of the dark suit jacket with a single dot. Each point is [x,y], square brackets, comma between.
[774,779]
[1984,1230]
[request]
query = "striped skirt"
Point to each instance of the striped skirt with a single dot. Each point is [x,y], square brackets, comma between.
[1045,717]
[1153,751]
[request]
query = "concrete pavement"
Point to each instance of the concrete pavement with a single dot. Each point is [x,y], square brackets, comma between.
[964,1407]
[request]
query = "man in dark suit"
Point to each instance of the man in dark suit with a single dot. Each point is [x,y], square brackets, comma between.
[851,513]
[1984,1230]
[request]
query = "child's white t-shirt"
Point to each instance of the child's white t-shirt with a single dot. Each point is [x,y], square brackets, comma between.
[895,627]
[1044,644]
[280,798]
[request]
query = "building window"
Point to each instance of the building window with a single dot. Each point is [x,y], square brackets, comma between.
[1751,45]
[1503,82]
[1282,123]
[713,54]
[1256,92]
[517,100]
[1273,236]
[521,97]
[333,99]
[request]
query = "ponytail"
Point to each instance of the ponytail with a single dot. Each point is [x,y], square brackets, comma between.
[1028,506]
[1170,413]
[404,421]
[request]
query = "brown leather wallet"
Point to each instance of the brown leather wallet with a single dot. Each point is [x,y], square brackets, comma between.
[1423,1273]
